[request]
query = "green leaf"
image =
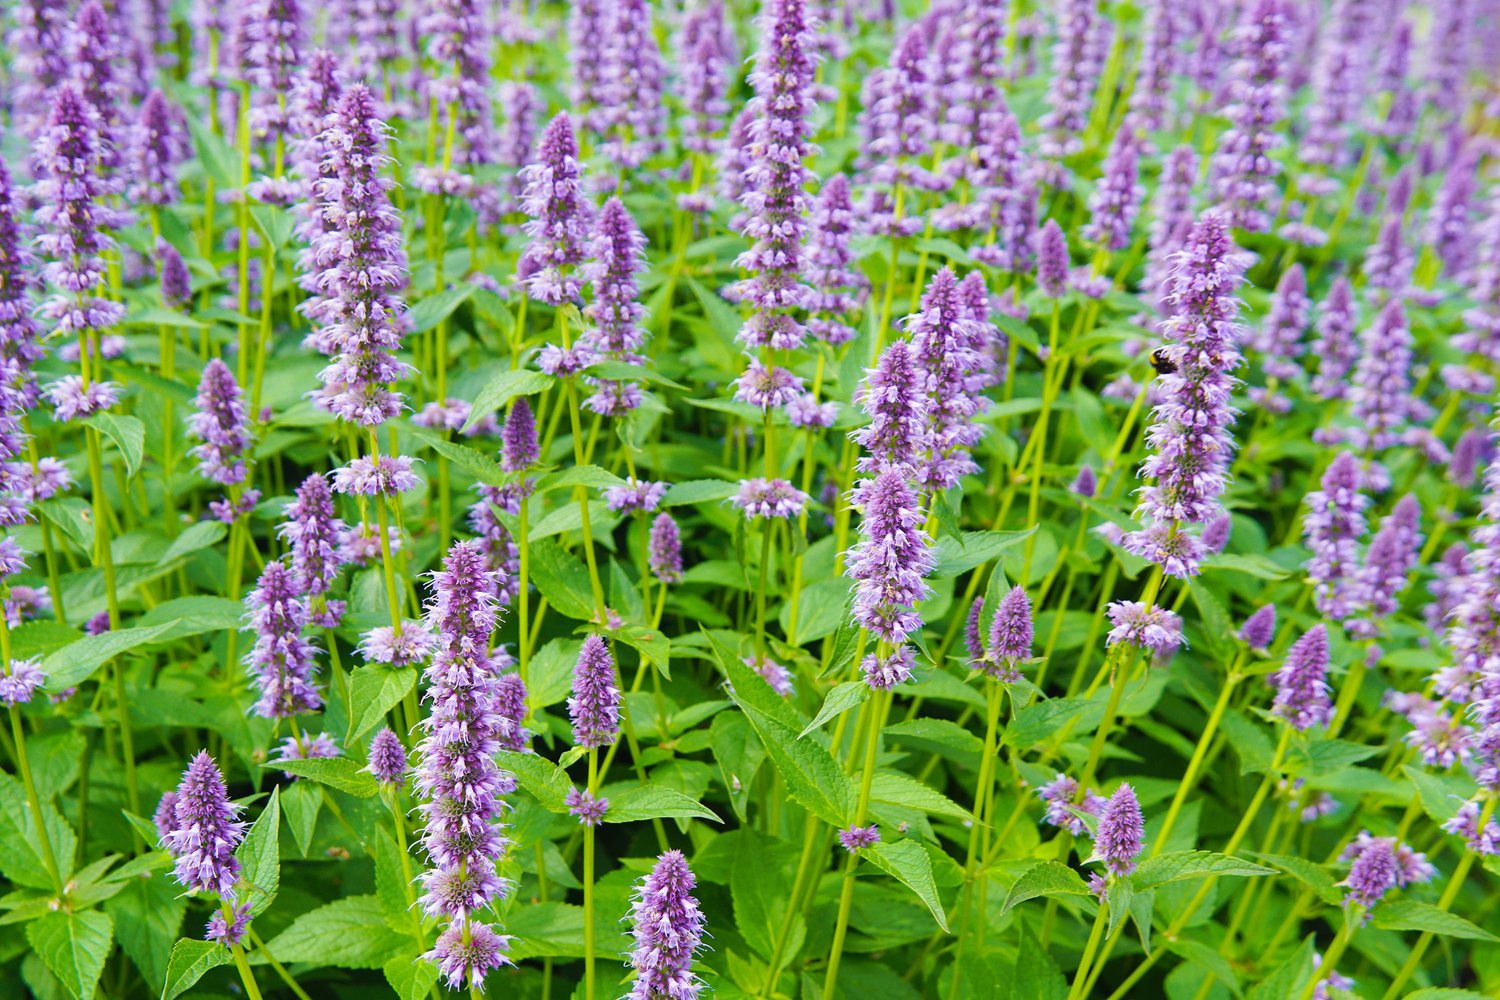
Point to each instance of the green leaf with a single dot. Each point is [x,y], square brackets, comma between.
[821,608]
[274,223]
[1289,977]
[812,777]
[619,371]
[260,856]
[1183,865]
[937,733]
[976,548]
[1309,874]
[161,316]
[196,536]
[216,155]
[562,579]
[391,880]
[1444,993]
[739,756]
[655,802]
[1257,566]
[909,863]
[1209,959]
[74,947]
[20,849]
[1037,976]
[348,933]
[652,643]
[411,976]
[1045,878]
[75,662]
[547,782]
[1035,723]
[190,959]
[898,788]
[1440,795]
[301,805]
[477,464]
[758,893]
[698,491]
[373,691]
[433,309]
[185,616]
[590,476]
[336,772]
[1411,915]
[148,916]
[41,636]
[128,434]
[501,389]
[839,700]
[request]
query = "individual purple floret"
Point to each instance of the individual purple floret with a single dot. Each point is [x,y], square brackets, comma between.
[229,933]
[1116,199]
[856,837]
[1260,628]
[559,218]
[664,549]
[1064,805]
[836,286]
[19,680]
[282,661]
[219,423]
[894,395]
[1155,629]
[767,386]
[387,758]
[1301,684]
[207,830]
[1334,347]
[1332,528]
[1380,400]
[892,557]
[668,929]
[1118,838]
[1379,865]
[1010,637]
[1244,172]
[892,670]
[769,498]
[775,199]
[456,777]
[1190,431]
[594,705]
[363,266]
[587,807]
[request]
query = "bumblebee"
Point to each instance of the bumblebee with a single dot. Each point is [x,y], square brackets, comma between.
[1163,364]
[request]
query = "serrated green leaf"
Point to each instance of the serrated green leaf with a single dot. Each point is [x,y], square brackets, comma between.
[373,691]
[1045,878]
[501,389]
[348,933]
[260,857]
[300,805]
[1288,977]
[128,435]
[562,579]
[546,782]
[1183,865]
[428,312]
[74,947]
[191,958]
[477,464]
[336,772]
[901,789]
[955,556]
[411,976]
[1309,874]
[812,777]
[1413,915]
[910,865]
[655,802]
[196,536]
[76,662]
[274,223]
[838,701]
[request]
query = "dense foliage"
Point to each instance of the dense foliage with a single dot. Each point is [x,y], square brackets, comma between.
[787,500]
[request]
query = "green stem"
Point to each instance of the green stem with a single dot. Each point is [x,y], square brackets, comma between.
[1189,777]
[874,710]
[32,798]
[588,886]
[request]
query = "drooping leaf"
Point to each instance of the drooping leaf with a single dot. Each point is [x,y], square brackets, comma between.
[909,863]
[74,946]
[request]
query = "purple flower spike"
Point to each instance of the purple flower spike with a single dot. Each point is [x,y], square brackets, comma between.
[1010,635]
[942,340]
[1334,347]
[587,807]
[1301,683]
[157,150]
[775,197]
[1391,556]
[229,933]
[664,550]
[974,632]
[1280,337]
[270,54]
[176,283]
[707,73]
[837,286]
[633,79]
[1244,173]
[387,757]
[1381,398]
[1190,431]
[1118,839]
[281,659]
[1064,806]
[668,929]
[363,266]
[559,217]
[1260,628]
[594,705]
[510,704]
[316,537]
[1389,261]
[207,830]
[1077,60]
[894,395]
[1152,628]
[1332,528]
[1116,199]
[460,36]
[892,557]
[1085,484]
[886,672]
[1379,865]
[767,386]
[519,449]
[1052,261]
[1216,533]
[219,424]
[769,498]
[457,778]
[165,816]
[857,837]
[634,494]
